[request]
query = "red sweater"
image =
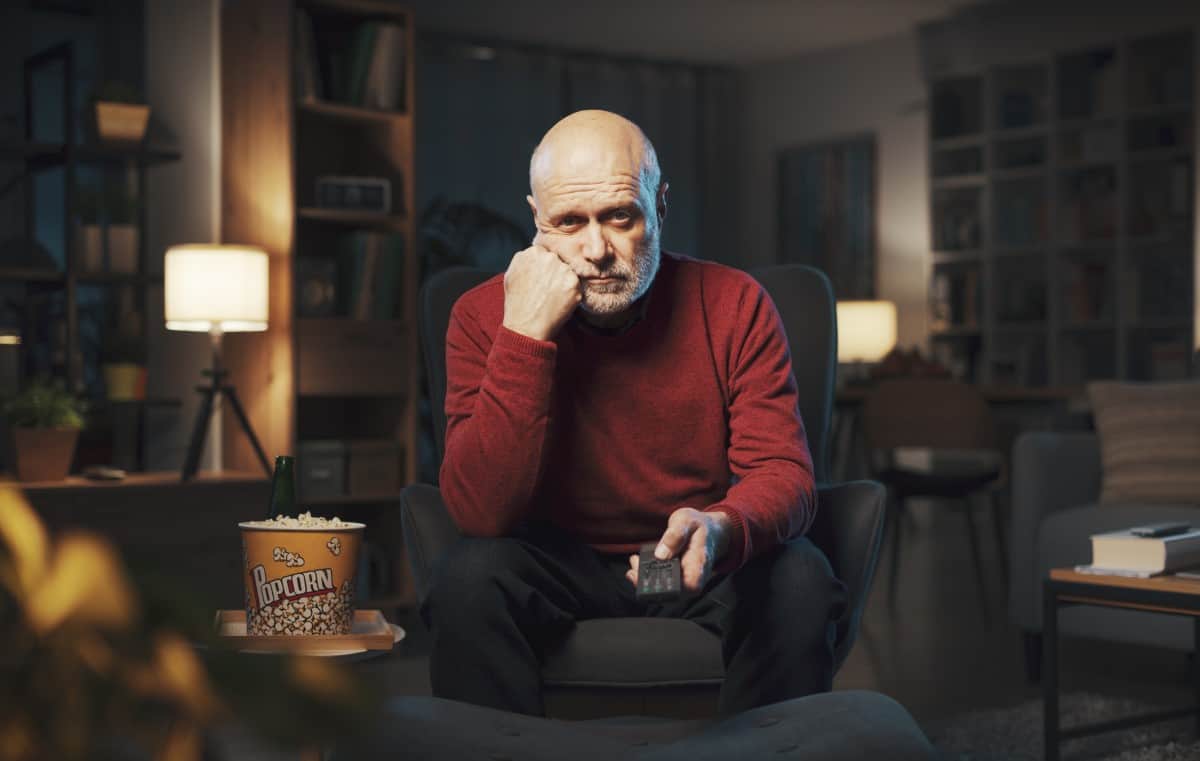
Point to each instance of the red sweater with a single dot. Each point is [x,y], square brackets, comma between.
[606,435]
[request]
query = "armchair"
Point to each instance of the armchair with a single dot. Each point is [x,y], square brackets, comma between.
[654,665]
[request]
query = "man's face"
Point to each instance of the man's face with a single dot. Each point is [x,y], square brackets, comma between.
[590,208]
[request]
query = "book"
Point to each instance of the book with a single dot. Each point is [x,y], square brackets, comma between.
[387,277]
[361,52]
[1123,551]
[308,78]
[1096,570]
[369,248]
[384,86]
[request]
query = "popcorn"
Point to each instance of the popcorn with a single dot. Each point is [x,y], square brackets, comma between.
[290,559]
[327,613]
[335,545]
[304,520]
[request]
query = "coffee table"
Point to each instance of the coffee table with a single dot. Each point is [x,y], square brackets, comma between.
[1159,594]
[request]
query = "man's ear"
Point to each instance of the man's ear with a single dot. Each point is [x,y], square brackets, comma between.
[660,203]
[533,208]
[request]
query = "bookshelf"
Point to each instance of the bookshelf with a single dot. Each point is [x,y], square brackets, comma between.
[1061,215]
[76,279]
[337,371]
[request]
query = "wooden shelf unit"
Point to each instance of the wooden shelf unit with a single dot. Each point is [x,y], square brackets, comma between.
[298,377]
[1072,175]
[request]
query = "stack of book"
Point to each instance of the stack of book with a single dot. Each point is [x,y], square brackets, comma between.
[365,69]
[371,267]
[1144,551]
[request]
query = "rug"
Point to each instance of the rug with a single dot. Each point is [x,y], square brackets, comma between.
[1015,734]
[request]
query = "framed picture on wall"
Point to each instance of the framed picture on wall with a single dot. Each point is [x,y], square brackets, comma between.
[827,211]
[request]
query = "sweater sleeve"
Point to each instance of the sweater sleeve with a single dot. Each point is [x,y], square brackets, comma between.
[773,497]
[497,417]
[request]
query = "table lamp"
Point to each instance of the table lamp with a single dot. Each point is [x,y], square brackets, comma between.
[216,289]
[866,332]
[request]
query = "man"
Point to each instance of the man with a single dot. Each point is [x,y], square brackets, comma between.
[601,395]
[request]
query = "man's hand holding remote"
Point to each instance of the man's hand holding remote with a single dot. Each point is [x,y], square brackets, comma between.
[701,538]
[540,292]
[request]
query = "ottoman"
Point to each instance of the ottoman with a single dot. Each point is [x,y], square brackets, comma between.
[831,726]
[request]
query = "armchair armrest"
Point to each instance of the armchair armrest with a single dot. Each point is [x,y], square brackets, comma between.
[428,530]
[848,527]
[1051,471]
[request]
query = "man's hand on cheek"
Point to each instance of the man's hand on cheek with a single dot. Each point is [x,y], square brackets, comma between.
[698,538]
[540,292]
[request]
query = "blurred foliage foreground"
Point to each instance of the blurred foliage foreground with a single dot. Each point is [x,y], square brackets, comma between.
[97,663]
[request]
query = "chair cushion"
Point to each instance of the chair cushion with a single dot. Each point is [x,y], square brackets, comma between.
[1149,441]
[927,471]
[644,652]
[833,726]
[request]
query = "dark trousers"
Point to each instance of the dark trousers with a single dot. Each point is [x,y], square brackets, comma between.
[494,604]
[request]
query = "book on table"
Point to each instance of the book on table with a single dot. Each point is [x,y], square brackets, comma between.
[1127,554]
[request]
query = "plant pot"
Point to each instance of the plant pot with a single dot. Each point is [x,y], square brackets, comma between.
[123,249]
[44,454]
[89,247]
[121,122]
[126,381]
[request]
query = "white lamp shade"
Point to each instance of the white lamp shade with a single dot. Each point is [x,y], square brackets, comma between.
[866,330]
[212,288]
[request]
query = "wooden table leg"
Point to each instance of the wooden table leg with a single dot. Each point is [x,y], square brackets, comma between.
[1196,667]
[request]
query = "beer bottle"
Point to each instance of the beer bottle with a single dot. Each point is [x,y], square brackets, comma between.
[283,487]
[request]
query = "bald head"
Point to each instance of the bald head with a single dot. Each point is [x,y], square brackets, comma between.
[595,143]
[598,202]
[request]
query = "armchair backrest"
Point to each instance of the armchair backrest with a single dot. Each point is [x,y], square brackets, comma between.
[438,295]
[804,298]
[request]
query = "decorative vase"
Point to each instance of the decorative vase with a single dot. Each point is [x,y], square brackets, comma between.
[122,122]
[89,247]
[44,454]
[123,249]
[126,381]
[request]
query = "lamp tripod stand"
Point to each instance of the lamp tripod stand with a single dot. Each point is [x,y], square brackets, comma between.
[211,393]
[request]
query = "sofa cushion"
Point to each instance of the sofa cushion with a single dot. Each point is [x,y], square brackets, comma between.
[1149,441]
[620,652]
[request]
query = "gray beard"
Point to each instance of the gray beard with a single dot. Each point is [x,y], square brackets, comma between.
[631,288]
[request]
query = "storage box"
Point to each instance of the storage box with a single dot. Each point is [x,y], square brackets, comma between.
[373,467]
[322,469]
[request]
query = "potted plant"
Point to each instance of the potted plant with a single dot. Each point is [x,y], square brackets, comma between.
[121,115]
[45,422]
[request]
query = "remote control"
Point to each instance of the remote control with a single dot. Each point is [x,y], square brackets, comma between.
[1155,530]
[658,580]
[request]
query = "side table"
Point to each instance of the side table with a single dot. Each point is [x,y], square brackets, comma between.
[1160,594]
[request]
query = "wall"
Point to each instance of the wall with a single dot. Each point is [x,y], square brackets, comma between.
[875,88]
[183,87]
[879,87]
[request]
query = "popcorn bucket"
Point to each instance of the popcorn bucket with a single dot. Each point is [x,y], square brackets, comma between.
[300,578]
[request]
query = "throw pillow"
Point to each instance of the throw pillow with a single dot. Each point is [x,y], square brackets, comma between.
[1149,440]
